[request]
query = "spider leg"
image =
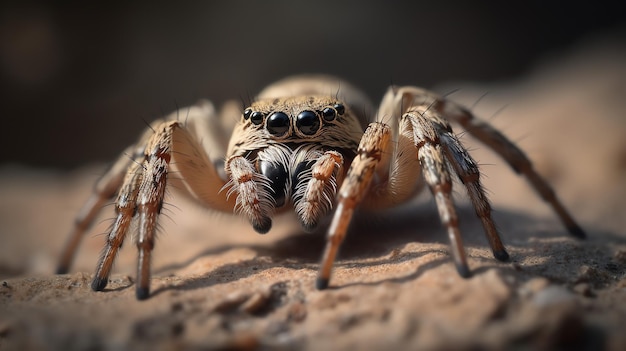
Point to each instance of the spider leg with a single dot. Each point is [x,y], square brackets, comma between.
[142,193]
[437,177]
[150,201]
[374,144]
[423,131]
[169,147]
[428,131]
[467,170]
[514,157]
[423,123]
[125,208]
[141,197]
[104,190]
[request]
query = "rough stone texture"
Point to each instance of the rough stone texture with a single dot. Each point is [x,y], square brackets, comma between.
[218,285]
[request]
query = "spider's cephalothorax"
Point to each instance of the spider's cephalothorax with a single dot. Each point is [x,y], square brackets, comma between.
[290,152]
[303,145]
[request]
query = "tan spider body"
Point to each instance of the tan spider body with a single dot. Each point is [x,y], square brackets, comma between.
[303,145]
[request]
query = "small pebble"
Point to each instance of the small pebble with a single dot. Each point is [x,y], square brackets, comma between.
[533,286]
[231,301]
[297,312]
[552,295]
[583,289]
[5,329]
[620,256]
[255,303]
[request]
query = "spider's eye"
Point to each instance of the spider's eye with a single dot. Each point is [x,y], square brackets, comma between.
[329,114]
[278,123]
[256,118]
[340,109]
[247,113]
[308,122]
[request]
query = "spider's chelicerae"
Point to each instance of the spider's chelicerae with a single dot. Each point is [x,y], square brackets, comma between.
[303,145]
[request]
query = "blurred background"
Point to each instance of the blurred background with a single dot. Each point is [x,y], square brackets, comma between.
[78,82]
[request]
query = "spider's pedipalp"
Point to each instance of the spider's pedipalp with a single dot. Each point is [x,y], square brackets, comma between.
[254,195]
[314,194]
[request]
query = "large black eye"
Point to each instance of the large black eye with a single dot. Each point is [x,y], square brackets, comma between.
[308,122]
[340,109]
[256,118]
[329,114]
[278,123]
[247,113]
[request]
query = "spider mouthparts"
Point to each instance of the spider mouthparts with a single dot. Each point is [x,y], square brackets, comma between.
[142,293]
[321,283]
[577,232]
[98,284]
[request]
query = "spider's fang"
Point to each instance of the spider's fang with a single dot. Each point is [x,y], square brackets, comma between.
[142,293]
[98,284]
[277,175]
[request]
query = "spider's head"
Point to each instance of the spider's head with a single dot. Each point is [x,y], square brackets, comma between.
[319,119]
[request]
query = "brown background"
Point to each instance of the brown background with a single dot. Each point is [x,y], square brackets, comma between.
[77,81]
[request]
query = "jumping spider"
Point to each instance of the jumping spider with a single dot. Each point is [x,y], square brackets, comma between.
[302,146]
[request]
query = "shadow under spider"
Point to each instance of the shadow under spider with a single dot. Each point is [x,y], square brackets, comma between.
[232,272]
[370,237]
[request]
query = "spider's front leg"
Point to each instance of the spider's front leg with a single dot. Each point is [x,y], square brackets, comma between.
[424,143]
[167,147]
[140,198]
[373,148]
[423,126]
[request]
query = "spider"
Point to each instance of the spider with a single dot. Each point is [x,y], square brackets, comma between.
[306,146]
